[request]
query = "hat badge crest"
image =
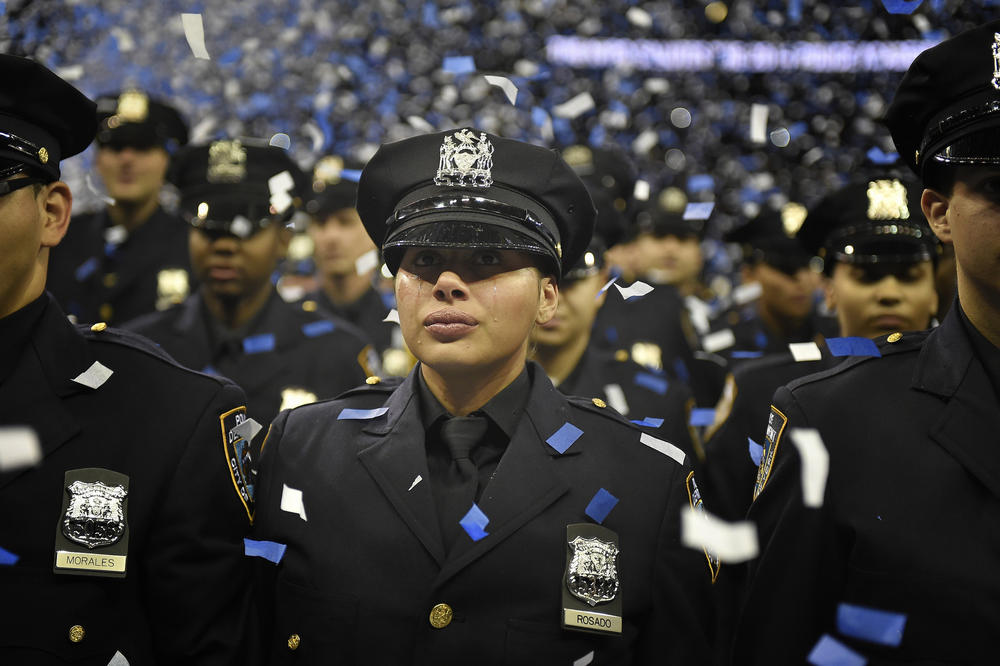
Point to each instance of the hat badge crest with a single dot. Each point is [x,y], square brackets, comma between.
[466,161]
[133,106]
[996,60]
[887,200]
[227,162]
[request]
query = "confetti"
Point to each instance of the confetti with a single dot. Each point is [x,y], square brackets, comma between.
[241,227]
[71,73]
[118,660]
[505,84]
[585,660]
[418,123]
[247,430]
[828,651]
[815,464]
[702,417]
[316,136]
[94,376]
[758,123]
[645,142]
[699,210]
[256,344]
[641,190]
[413,485]
[652,382]
[103,196]
[459,64]
[279,186]
[348,414]
[392,317]
[746,354]
[666,448]
[574,107]
[474,523]
[8,558]
[901,6]
[564,438]
[314,329]
[852,346]
[718,340]
[756,451]
[700,313]
[291,501]
[730,542]
[272,551]
[19,448]
[637,288]
[871,624]
[878,156]
[805,351]
[639,17]
[616,398]
[366,262]
[649,422]
[745,293]
[606,286]
[194,33]
[600,505]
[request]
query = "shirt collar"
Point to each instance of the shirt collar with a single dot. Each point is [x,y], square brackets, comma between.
[985,351]
[504,409]
[16,331]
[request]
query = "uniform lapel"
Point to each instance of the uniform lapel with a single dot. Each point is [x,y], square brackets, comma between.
[392,450]
[968,425]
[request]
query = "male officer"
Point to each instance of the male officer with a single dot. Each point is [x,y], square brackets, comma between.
[131,257]
[238,198]
[122,532]
[445,520]
[897,554]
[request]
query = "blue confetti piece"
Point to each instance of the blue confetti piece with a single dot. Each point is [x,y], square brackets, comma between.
[271,551]
[600,506]
[649,422]
[316,328]
[563,438]
[828,651]
[699,210]
[256,344]
[7,558]
[474,523]
[353,175]
[361,414]
[794,10]
[702,417]
[871,624]
[611,334]
[459,64]
[86,269]
[760,339]
[878,156]
[852,346]
[652,382]
[901,6]
[746,354]
[680,367]
[210,370]
[538,116]
[699,182]
[756,452]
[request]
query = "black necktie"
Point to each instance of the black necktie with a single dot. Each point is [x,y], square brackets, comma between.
[460,483]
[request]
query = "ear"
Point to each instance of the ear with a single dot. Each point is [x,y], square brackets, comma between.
[935,208]
[829,294]
[55,205]
[548,300]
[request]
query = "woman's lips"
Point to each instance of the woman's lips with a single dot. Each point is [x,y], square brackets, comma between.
[449,325]
[223,273]
[890,322]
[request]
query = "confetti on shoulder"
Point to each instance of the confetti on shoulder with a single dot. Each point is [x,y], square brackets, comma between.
[392,317]
[94,376]
[348,414]
[664,447]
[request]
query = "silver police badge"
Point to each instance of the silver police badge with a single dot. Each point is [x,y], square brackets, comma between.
[95,516]
[996,60]
[593,571]
[466,160]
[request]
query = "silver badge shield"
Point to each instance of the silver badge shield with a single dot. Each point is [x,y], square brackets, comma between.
[95,516]
[466,160]
[996,60]
[593,570]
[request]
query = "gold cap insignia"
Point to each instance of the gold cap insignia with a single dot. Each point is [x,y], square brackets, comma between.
[887,200]
[227,162]
[792,216]
[578,156]
[327,172]
[466,160]
[43,156]
[133,106]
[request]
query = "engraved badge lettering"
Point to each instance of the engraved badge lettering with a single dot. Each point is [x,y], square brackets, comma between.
[996,60]
[466,161]
[593,571]
[95,515]
[227,162]
[887,200]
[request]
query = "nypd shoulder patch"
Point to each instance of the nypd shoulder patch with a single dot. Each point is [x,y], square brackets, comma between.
[238,456]
[776,422]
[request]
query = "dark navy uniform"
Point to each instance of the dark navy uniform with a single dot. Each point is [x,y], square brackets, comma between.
[285,357]
[368,314]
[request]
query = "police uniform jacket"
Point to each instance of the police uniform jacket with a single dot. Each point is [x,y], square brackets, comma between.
[636,392]
[97,280]
[368,313]
[752,339]
[365,563]
[183,598]
[908,522]
[285,357]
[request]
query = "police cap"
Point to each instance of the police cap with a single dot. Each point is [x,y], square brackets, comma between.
[133,119]
[874,221]
[771,237]
[43,119]
[466,188]
[334,186]
[237,188]
[947,107]
[654,219]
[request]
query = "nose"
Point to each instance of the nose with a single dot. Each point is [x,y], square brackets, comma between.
[223,243]
[450,287]
[888,291]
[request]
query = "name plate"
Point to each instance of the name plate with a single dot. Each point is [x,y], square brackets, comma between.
[71,560]
[592,621]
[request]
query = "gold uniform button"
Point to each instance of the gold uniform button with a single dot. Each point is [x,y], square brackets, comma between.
[110,280]
[600,403]
[105,311]
[98,327]
[294,641]
[309,306]
[895,337]
[621,355]
[76,633]
[374,379]
[441,616]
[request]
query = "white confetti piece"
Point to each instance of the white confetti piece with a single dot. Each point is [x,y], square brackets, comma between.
[366,262]
[241,226]
[280,140]
[639,17]
[194,33]
[418,123]
[115,235]
[279,186]
[103,196]
[805,351]
[70,73]
[700,314]
[616,398]
[392,317]
[815,464]
[315,135]
[641,190]
[124,39]
[291,501]
[118,660]
[505,84]
[718,340]
[19,448]
[758,123]
[730,542]
[585,660]
[664,447]
[415,482]
[94,376]
[745,293]
[247,430]
[637,288]
[575,107]
[645,142]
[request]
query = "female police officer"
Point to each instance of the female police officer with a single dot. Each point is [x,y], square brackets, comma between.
[472,512]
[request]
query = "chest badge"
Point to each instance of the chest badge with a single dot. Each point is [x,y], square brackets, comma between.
[92,535]
[591,594]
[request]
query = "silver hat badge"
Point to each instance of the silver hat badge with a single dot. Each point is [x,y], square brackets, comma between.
[95,516]
[593,571]
[466,160]
[996,60]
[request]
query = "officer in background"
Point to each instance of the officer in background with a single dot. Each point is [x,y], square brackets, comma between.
[472,513]
[896,555]
[131,257]
[238,199]
[122,532]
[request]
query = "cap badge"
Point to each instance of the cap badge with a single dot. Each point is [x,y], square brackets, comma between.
[43,156]
[95,516]
[133,106]
[792,216]
[227,162]
[996,60]
[327,172]
[887,200]
[466,160]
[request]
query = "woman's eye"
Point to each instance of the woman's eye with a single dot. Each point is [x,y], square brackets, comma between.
[488,258]
[425,259]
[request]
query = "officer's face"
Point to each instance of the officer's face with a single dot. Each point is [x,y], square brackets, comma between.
[340,240]
[229,267]
[671,259]
[132,175]
[471,310]
[875,300]
[785,296]
[578,306]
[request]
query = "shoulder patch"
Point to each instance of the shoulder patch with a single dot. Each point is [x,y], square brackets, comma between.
[776,422]
[694,497]
[238,456]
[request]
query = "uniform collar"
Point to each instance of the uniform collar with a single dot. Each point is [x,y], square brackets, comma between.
[16,329]
[504,409]
[984,350]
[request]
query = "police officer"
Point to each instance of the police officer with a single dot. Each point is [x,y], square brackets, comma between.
[131,257]
[238,197]
[122,532]
[445,520]
[899,561]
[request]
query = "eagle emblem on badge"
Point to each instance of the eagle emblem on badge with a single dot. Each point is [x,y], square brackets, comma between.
[996,60]
[593,571]
[227,162]
[95,516]
[466,160]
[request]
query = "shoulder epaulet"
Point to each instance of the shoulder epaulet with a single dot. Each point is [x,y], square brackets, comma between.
[889,345]
[373,385]
[598,406]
